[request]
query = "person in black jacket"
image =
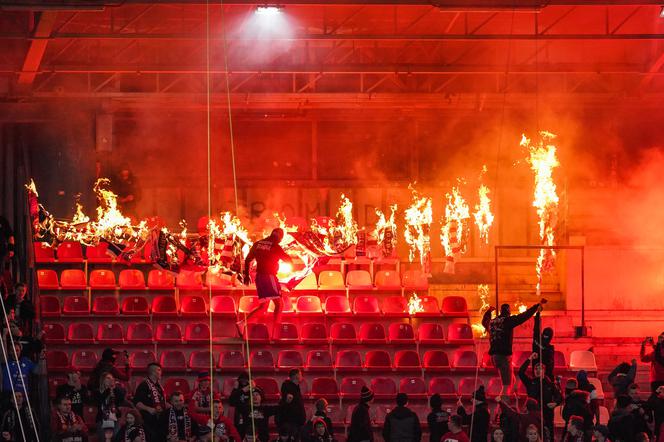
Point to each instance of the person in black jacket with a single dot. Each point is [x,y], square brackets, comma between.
[260,415]
[360,421]
[577,403]
[107,365]
[547,393]
[437,419]
[108,398]
[542,344]
[74,390]
[24,309]
[291,406]
[656,405]
[402,424]
[501,330]
[622,423]
[585,385]
[622,377]
[239,400]
[642,413]
[479,419]
[320,413]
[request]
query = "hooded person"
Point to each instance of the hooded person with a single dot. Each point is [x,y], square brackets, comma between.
[542,389]
[437,419]
[622,377]
[360,421]
[601,433]
[402,424]
[319,431]
[478,421]
[585,385]
[577,403]
[107,365]
[622,423]
[654,354]
[320,413]
[542,345]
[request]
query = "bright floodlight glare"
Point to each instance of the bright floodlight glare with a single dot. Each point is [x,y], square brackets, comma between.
[269,11]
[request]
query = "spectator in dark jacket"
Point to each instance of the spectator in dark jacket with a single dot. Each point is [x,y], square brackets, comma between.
[24,309]
[291,406]
[577,403]
[319,432]
[17,420]
[239,400]
[530,417]
[642,414]
[601,433]
[585,385]
[542,344]
[622,377]
[260,415]
[107,365]
[656,404]
[622,422]
[654,354]
[479,419]
[360,421]
[74,390]
[109,398]
[401,424]
[551,396]
[437,419]
[320,413]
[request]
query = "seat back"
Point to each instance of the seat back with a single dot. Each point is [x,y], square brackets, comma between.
[308,304]
[102,279]
[436,359]
[336,304]
[331,280]
[366,305]
[378,359]
[290,359]
[401,332]
[131,279]
[407,359]
[223,305]
[348,359]
[454,305]
[388,280]
[465,359]
[359,279]
[139,332]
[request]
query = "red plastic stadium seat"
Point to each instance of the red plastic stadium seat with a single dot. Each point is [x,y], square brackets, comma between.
[467,386]
[414,280]
[53,383]
[388,280]
[70,252]
[247,304]
[343,333]
[261,360]
[288,332]
[189,280]
[314,333]
[460,333]
[464,359]
[76,305]
[172,360]
[372,333]
[164,305]
[415,388]
[429,307]
[98,253]
[258,333]
[269,386]
[197,332]
[519,357]
[139,333]
[135,305]
[80,333]
[431,333]
[47,279]
[89,415]
[407,360]
[366,305]
[308,283]
[443,386]
[231,360]
[84,360]
[223,306]
[337,305]
[193,306]
[43,252]
[49,306]
[218,281]
[324,388]
[454,306]
[487,362]
[54,333]
[359,280]
[110,333]
[378,360]
[401,333]
[319,360]
[160,280]
[348,360]
[289,359]
[494,387]
[105,305]
[559,360]
[331,280]
[395,306]
[131,279]
[200,360]
[139,360]
[351,387]
[176,384]
[436,360]
[383,388]
[168,334]
[72,279]
[308,305]
[57,360]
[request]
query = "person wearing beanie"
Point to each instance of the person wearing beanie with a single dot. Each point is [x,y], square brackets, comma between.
[437,419]
[501,332]
[320,432]
[360,421]
[601,433]
[654,354]
[456,433]
[200,400]
[585,385]
[575,430]
[530,417]
[321,413]
[542,344]
[107,365]
[402,424]
[479,419]
[622,423]
[259,417]
[577,403]
[239,400]
[622,377]
[291,405]
[541,385]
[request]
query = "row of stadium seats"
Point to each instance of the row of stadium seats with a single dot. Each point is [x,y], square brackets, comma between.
[335,305]
[133,279]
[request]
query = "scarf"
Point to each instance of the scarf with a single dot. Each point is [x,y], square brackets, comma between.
[67,420]
[201,398]
[156,391]
[173,424]
[659,354]
[128,431]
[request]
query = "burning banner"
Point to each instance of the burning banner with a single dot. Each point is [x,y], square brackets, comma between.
[415,305]
[483,216]
[386,232]
[483,294]
[454,233]
[339,234]
[418,218]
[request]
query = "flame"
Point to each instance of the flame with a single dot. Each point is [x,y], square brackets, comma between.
[285,269]
[520,306]
[418,219]
[79,216]
[346,225]
[483,216]
[542,159]
[386,228]
[415,305]
[110,221]
[31,187]
[483,293]
[454,232]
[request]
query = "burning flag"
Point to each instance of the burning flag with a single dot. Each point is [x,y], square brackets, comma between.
[520,306]
[386,232]
[418,223]
[483,294]
[455,228]
[483,216]
[345,228]
[415,305]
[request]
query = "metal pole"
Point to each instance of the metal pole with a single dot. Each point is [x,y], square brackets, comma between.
[583,288]
[495,260]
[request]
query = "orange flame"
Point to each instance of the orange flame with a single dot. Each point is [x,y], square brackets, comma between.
[483,216]
[79,216]
[520,306]
[483,293]
[31,187]
[453,235]
[418,222]
[384,224]
[415,305]
[345,224]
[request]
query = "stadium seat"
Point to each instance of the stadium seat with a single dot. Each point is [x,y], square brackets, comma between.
[192,305]
[57,360]
[436,360]
[519,357]
[288,332]
[47,279]
[90,415]
[383,388]
[372,333]
[442,386]
[258,333]
[43,253]
[189,281]
[139,333]
[343,333]
[72,279]
[351,387]
[289,359]
[464,359]
[458,333]
[269,386]
[164,306]
[454,306]
[139,360]
[378,360]
[494,387]
[222,306]
[430,333]
[429,307]
[98,253]
[395,306]
[407,360]
[102,280]
[604,414]
[308,305]
[197,332]
[49,306]
[105,305]
[173,360]
[414,280]
[467,386]
[324,388]
[401,333]
[319,360]
[54,333]
[84,360]
[314,333]
[582,360]
[337,305]
[359,280]
[70,252]
[200,360]
[131,279]
[135,305]
[231,360]
[167,333]
[487,362]
[247,304]
[331,280]
[348,360]
[218,281]
[76,306]
[559,361]
[53,383]
[160,280]
[308,283]
[366,306]
[388,280]
[261,360]
[80,333]
[110,333]
[415,388]
[176,384]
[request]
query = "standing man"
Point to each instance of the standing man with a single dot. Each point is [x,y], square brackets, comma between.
[150,401]
[552,397]
[176,424]
[267,252]
[292,414]
[654,353]
[128,191]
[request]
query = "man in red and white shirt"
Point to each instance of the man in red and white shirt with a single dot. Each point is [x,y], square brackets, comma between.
[456,433]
